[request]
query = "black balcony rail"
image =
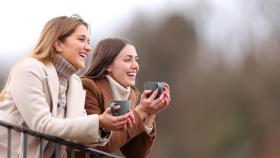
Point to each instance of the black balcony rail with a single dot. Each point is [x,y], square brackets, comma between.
[58,142]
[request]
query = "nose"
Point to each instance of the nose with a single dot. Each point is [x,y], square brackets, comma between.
[88,47]
[135,65]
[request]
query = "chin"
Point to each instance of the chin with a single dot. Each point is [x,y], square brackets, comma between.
[132,84]
[80,66]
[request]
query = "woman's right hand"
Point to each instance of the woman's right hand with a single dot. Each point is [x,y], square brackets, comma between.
[110,122]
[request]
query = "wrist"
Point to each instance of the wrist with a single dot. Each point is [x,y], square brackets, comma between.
[149,120]
[100,118]
[141,112]
[152,116]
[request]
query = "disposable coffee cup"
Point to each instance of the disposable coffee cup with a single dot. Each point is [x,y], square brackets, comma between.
[153,86]
[125,105]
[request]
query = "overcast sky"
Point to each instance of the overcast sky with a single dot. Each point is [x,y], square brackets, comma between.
[228,23]
[23,20]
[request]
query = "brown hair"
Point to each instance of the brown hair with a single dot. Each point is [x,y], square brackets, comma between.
[103,55]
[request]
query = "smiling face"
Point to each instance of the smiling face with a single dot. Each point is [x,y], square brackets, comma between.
[125,66]
[75,47]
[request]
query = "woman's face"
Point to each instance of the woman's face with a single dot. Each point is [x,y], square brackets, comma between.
[125,66]
[76,47]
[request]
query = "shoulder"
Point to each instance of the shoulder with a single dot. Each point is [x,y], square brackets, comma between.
[30,65]
[89,84]
[95,85]
[87,81]
[30,62]
[94,82]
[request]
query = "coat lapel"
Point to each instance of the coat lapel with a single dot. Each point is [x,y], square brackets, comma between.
[75,97]
[108,96]
[75,93]
[106,91]
[53,83]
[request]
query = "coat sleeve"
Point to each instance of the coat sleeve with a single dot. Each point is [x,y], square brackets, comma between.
[27,89]
[128,141]
[143,142]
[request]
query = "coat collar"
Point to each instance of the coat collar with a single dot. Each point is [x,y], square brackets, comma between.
[107,93]
[53,82]
[75,93]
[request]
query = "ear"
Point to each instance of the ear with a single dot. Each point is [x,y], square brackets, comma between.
[108,69]
[58,46]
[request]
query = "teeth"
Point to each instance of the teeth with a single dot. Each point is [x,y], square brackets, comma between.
[131,74]
[83,55]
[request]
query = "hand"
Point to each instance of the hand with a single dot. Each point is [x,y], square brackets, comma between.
[166,92]
[131,119]
[150,105]
[110,122]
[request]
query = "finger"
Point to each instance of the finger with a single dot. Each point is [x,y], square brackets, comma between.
[166,86]
[166,90]
[167,95]
[132,117]
[159,105]
[159,99]
[163,105]
[125,127]
[123,117]
[154,94]
[166,101]
[108,111]
[116,107]
[145,94]
[120,123]
[129,123]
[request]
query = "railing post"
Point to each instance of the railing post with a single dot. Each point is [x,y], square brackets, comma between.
[72,153]
[24,145]
[9,142]
[87,154]
[41,148]
[57,150]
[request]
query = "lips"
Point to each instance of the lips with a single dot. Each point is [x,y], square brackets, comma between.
[131,75]
[83,55]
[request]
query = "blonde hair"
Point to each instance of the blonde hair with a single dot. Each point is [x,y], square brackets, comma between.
[58,28]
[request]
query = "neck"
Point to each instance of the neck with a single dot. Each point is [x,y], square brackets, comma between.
[119,92]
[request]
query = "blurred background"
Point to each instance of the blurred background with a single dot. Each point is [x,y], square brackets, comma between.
[220,57]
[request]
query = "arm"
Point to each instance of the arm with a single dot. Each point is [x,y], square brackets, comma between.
[140,146]
[147,109]
[95,105]
[28,90]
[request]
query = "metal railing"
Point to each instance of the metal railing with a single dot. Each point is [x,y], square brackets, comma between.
[58,142]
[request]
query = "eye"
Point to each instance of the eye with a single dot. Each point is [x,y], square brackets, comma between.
[127,59]
[81,39]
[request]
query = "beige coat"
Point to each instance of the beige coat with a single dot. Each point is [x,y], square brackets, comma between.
[31,102]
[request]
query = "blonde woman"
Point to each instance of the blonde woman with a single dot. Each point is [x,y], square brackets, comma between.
[44,94]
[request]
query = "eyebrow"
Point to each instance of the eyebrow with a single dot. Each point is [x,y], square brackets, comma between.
[128,55]
[81,35]
[84,36]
